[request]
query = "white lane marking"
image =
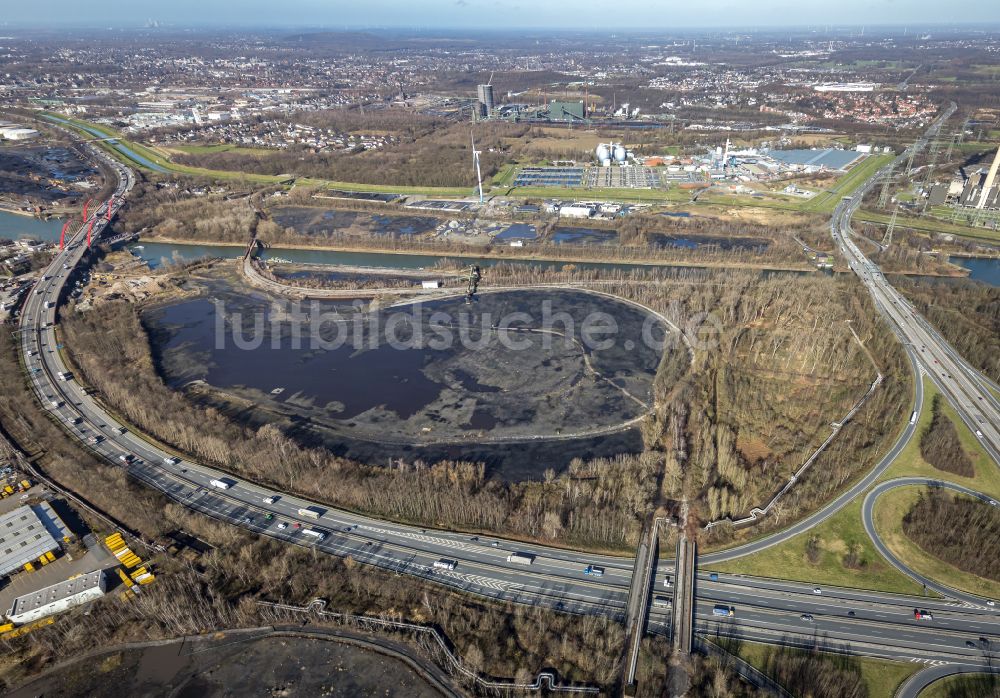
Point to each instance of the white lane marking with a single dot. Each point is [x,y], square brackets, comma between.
[476,579]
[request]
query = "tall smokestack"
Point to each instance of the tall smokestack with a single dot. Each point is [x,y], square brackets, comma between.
[990,178]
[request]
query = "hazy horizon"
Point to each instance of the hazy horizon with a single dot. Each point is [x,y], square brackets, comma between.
[627,15]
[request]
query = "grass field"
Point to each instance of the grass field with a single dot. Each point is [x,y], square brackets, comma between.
[880,676]
[218,148]
[826,201]
[505,176]
[930,225]
[891,507]
[965,216]
[888,517]
[964,686]
[909,462]
[835,536]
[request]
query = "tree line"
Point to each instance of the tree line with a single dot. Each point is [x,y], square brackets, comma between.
[962,531]
[940,446]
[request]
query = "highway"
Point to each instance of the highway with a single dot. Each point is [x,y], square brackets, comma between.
[965,388]
[766,610]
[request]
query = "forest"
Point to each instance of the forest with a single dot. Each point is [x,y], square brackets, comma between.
[962,531]
[940,446]
[965,312]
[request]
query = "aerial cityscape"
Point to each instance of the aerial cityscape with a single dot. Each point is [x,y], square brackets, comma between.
[458,349]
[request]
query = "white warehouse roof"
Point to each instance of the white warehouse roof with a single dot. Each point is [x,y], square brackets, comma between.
[58,597]
[28,532]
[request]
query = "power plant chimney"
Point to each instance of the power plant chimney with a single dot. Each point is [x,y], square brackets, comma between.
[990,179]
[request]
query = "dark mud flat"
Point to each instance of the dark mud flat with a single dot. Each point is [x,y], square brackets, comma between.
[288,667]
[354,277]
[23,170]
[320,221]
[521,410]
[697,241]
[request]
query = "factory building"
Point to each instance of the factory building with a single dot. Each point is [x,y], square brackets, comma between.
[982,188]
[486,103]
[27,533]
[59,597]
[566,111]
[576,211]
[988,196]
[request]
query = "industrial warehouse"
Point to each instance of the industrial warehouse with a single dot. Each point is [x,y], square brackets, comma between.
[28,534]
[618,167]
[58,597]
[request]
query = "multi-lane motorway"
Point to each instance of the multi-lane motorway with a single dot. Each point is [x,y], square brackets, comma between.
[766,610]
[966,389]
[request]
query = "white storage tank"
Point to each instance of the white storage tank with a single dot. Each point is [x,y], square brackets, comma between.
[620,153]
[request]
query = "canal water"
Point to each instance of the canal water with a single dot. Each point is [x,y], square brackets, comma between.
[13,226]
[158,253]
[123,149]
[985,270]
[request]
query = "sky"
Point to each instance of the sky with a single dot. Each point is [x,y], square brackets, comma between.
[507,14]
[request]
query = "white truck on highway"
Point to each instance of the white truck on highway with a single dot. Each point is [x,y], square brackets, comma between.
[445,564]
[311,512]
[222,483]
[314,533]
[521,558]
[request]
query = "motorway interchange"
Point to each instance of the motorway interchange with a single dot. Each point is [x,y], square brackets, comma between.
[962,632]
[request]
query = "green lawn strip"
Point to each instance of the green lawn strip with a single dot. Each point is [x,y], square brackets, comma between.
[505,177]
[882,677]
[836,535]
[910,462]
[218,148]
[447,192]
[930,225]
[888,517]
[963,686]
[947,213]
[765,200]
[827,201]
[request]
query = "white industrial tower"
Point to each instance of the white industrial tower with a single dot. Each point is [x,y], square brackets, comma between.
[990,179]
[475,161]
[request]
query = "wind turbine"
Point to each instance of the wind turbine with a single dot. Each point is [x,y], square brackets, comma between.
[475,160]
